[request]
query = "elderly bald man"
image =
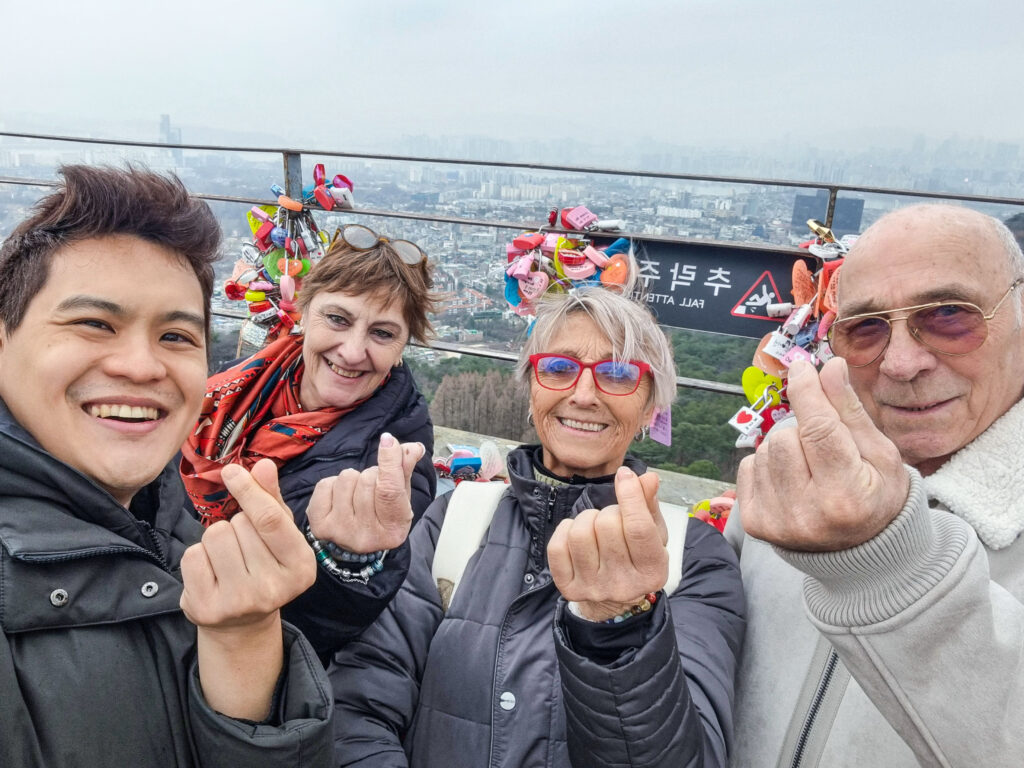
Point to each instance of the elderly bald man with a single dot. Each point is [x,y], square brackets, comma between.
[892,512]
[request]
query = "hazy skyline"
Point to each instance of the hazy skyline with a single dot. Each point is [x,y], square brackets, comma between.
[358,76]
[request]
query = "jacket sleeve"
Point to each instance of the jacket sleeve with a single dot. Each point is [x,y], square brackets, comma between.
[668,702]
[376,679]
[298,733]
[936,645]
[332,612]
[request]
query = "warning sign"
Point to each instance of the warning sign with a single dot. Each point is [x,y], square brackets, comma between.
[712,286]
[755,301]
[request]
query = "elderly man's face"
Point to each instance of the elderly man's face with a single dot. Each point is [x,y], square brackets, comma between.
[930,404]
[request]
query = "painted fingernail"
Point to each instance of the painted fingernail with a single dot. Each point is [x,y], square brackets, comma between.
[387,440]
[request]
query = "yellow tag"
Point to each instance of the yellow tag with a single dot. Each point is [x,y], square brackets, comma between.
[254,223]
[755,381]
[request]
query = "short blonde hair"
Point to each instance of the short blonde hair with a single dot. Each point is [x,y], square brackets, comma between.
[630,327]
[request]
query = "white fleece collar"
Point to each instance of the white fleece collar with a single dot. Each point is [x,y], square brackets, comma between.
[982,482]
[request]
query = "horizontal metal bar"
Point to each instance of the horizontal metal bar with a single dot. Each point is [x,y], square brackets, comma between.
[536,167]
[492,223]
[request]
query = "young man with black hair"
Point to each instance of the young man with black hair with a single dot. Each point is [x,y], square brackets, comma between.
[130,636]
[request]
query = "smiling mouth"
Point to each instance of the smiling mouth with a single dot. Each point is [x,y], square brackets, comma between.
[342,372]
[583,426]
[129,413]
[918,408]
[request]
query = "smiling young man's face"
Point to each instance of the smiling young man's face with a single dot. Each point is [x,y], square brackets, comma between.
[107,369]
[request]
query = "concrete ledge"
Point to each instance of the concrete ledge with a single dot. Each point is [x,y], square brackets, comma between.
[675,488]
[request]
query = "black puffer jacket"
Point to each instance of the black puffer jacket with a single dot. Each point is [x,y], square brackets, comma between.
[490,684]
[103,672]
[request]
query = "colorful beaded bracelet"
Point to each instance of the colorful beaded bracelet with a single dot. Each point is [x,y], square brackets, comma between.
[645,604]
[329,564]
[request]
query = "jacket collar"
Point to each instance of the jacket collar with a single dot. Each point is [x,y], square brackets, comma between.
[50,507]
[557,502]
[981,482]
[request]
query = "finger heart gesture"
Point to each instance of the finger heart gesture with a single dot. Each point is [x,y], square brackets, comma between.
[606,560]
[368,511]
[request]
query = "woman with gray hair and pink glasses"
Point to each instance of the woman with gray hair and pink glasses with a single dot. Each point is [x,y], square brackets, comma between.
[572,633]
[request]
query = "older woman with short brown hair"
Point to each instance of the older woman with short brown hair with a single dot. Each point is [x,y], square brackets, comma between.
[328,406]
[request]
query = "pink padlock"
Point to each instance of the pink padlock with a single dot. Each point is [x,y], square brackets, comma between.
[343,182]
[512,252]
[578,218]
[534,285]
[795,353]
[579,271]
[287,289]
[596,256]
[259,213]
[550,245]
[520,268]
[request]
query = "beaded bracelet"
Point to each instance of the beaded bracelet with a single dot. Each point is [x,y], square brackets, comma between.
[324,557]
[645,604]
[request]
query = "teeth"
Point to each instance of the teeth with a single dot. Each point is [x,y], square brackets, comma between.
[107,411]
[343,372]
[586,426]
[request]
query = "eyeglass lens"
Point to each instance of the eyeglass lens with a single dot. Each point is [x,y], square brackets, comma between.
[615,377]
[954,329]
[360,237]
[364,238]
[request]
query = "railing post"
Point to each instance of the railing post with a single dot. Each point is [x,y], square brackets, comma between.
[833,193]
[293,175]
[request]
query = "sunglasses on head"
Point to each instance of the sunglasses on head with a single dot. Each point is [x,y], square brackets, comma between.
[948,327]
[613,377]
[363,238]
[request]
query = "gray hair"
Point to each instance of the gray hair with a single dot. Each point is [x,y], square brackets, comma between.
[630,327]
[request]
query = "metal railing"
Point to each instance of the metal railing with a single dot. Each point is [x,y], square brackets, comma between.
[292,171]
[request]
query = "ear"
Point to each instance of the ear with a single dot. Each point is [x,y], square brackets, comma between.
[647,415]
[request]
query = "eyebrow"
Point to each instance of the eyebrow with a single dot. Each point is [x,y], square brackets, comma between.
[937,294]
[82,301]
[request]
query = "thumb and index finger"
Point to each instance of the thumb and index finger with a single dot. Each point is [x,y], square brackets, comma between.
[639,509]
[396,461]
[831,418]
[258,494]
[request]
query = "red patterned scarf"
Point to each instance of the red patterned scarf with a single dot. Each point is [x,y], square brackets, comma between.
[250,412]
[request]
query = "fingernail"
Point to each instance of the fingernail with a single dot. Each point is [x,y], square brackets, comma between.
[624,473]
[387,440]
[846,373]
[229,471]
[423,450]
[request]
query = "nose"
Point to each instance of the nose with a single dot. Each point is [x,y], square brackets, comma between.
[135,357]
[905,357]
[351,349]
[584,394]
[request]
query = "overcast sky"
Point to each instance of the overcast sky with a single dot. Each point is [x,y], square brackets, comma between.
[332,74]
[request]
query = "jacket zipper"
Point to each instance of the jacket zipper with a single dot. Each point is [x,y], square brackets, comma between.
[95,552]
[552,495]
[812,711]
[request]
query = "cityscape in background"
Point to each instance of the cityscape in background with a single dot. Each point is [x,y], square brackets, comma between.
[470,260]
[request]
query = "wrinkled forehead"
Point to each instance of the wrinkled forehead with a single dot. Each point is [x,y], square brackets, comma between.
[905,261]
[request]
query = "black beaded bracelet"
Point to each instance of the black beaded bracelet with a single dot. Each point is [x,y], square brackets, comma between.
[329,564]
